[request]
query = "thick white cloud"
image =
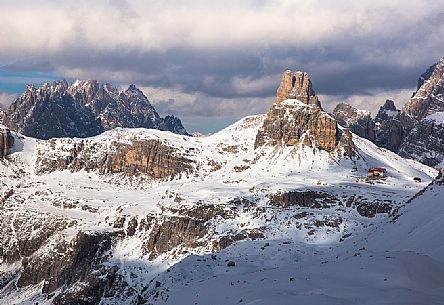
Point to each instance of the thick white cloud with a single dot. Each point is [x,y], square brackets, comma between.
[175,101]
[51,26]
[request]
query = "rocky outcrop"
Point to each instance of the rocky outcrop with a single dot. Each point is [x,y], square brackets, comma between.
[132,157]
[295,123]
[83,109]
[171,232]
[297,85]
[412,132]
[6,142]
[429,96]
[425,142]
[228,240]
[392,126]
[70,262]
[307,199]
[368,208]
[358,121]
[299,119]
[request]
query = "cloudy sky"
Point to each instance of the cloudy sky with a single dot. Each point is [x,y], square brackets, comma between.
[212,62]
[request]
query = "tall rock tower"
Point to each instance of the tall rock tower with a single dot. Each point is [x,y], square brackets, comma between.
[297,85]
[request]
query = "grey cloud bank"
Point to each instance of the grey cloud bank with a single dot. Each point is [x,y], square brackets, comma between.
[225,58]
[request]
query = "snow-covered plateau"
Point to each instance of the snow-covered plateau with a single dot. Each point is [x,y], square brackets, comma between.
[141,216]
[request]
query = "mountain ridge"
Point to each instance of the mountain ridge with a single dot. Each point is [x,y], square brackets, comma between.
[84,108]
[409,132]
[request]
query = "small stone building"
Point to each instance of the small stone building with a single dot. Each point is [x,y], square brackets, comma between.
[377,173]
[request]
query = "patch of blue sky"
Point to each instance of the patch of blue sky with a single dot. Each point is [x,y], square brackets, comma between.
[16,82]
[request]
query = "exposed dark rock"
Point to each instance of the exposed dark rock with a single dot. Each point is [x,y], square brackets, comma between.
[168,233]
[368,208]
[32,231]
[429,96]
[83,109]
[206,212]
[358,121]
[308,199]
[291,125]
[425,143]
[392,126]
[228,240]
[347,144]
[411,132]
[67,264]
[297,118]
[6,142]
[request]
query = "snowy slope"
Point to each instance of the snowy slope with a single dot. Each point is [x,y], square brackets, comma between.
[400,261]
[236,180]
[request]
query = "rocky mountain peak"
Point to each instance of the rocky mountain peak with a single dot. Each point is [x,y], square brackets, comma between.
[297,85]
[30,88]
[296,118]
[358,121]
[132,87]
[429,96]
[387,111]
[82,109]
[389,105]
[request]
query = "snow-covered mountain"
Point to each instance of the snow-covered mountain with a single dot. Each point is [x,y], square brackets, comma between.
[414,132]
[269,210]
[83,109]
[359,121]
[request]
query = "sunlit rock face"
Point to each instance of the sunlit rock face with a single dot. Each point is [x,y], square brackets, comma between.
[297,85]
[429,96]
[297,117]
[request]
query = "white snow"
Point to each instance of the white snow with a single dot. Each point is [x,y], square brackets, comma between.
[437,117]
[262,273]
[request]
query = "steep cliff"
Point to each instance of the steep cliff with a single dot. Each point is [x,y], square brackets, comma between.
[358,121]
[128,155]
[392,126]
[425,142]
[296,85]
[6,142]
[299,119]
[429,96]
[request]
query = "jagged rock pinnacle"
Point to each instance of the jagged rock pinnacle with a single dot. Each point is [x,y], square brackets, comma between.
[297,85]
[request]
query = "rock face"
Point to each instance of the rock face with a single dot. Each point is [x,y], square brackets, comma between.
[149,157]
[392,126]
[358,121]
[299,119]
[425,142]
[168,234]
[429,96]
[6,142]
[83,109]
[414,132]
[297,85]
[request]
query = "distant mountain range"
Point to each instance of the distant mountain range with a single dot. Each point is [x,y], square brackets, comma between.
[83,109]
